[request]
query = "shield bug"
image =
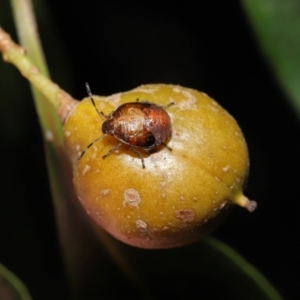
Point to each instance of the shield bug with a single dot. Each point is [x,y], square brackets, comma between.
[140,125]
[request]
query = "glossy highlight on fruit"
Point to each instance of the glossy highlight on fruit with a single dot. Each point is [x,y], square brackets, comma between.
[182,194]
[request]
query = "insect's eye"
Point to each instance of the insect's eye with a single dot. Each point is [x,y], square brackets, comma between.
[146,103]
[150,140]
[106,126]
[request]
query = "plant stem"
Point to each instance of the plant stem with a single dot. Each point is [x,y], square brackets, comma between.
[16,55]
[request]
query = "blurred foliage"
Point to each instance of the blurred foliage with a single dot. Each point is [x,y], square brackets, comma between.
[276,24]
[11,287]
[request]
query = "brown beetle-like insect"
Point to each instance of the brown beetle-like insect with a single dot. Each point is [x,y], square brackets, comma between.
[142,125]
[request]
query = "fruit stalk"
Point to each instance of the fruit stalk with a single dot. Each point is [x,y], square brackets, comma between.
[16,55]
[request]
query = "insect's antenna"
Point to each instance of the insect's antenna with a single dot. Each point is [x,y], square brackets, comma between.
[89,146]
[170,104]
[88,89]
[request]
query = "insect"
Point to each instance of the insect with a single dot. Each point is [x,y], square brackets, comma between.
[143,125]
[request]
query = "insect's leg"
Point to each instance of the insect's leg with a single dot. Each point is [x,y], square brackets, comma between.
[104,116]
[162,106]
[89,146]
[100,113]
[144,102]
[168,147]
[170,104]
[112,150]
[166,106]
[139,155]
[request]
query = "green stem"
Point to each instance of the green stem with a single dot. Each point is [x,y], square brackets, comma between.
[28,32]
[60,100]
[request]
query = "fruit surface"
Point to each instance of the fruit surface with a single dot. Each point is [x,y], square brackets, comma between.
[180,195]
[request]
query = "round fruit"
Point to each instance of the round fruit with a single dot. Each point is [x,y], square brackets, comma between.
[180,195]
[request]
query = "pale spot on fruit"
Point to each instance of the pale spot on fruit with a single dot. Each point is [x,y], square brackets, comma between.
[101,106]
[187,105]
[216,110]
[67,133]
[199,141]
[226,168]
[98,215]
[141,225]
[176,133]
[86,169]
[185,215]
[146,90]
[104,193]
[163,184]
[131,197]
[164,175]
[191,101]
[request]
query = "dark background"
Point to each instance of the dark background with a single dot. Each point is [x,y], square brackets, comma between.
[116,46]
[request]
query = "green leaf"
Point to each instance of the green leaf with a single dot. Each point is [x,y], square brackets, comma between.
[11,286]
[209,269]
[276,24]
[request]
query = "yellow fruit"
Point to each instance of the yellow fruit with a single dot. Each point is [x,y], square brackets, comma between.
[182,194]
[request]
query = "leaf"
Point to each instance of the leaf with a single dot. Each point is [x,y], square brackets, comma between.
[11,287]
[276,24]
[209,269]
